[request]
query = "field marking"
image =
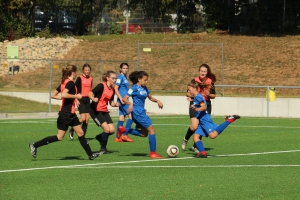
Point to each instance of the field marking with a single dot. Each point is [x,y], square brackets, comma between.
[157,160]
[235,126]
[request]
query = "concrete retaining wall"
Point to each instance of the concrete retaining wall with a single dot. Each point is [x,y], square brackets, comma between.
[252,107]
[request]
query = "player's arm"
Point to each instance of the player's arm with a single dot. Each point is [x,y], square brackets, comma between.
[159,103]
[118,93]
[54,94]
[126,101]
[96,92]
[212,91]
[65,93]
[112,102]
[202,107]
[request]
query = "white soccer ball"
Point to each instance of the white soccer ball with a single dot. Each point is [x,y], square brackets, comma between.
[172,151]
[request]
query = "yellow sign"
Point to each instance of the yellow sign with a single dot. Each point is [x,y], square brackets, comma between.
[147,49]
[56,66]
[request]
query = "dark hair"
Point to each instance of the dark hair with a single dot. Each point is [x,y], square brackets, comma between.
[107,74]
[122,64]
[86,65]
[136,75]
[67,71]
[209,74]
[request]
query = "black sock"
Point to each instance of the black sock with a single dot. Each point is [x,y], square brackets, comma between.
[45,141]
[104,140]
[188,134]
[85,145]
[84,127]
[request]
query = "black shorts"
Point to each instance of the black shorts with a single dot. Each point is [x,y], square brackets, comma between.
[101,117]
[65,120]
[84,106]
[193,112]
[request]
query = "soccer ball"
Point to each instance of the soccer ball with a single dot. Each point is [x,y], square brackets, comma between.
[172,151]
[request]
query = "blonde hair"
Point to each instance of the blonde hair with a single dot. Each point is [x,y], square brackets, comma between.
[67,72]
[107,74]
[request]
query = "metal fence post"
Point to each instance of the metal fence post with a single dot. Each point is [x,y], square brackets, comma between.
[268,100]
[50,87]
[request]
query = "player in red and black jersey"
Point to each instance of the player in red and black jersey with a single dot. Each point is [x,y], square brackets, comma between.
[66,115]
[206,80]
[102,94]
[84,85]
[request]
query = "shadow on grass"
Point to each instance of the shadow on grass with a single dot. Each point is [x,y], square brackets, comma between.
[72,158]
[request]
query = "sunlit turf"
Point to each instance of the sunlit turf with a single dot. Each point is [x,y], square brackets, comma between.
[254,158]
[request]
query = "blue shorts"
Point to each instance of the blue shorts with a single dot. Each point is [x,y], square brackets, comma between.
[141,119]
[123,108]
[204,129]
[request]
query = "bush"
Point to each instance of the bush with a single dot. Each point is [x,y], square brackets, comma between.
[114,28]
[44,33]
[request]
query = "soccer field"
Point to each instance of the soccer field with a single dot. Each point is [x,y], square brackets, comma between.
[254,158]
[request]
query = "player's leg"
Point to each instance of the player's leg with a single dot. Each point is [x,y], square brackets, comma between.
[199,133]
[191,129]
[219,129]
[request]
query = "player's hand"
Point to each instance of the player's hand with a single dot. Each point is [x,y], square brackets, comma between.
[78,96]
[129,110]
[77,103]
[95,100]
[160,105]
[193,107]
[189,99]
[116,104]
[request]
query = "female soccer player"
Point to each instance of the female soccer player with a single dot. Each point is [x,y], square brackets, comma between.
[206,127]
[84,85]
[102,94]
[207,79]
[139,92]
[121,88]
[67,116]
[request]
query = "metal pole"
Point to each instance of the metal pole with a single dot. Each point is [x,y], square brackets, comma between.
[222,63]
[138,61]
[127,18]
[268,100]
[50,87]
[177,22]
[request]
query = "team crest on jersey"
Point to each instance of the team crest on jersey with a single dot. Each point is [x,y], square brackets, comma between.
[130,91]
[118,81]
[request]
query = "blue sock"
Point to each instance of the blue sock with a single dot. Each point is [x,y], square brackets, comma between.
[152,142]
[120,123]
[221,127]
[133,131]
[200,146]
[128,126]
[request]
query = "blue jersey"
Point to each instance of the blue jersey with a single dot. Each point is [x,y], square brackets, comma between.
[123,84]
[201,115]
[139,95]
[206,124]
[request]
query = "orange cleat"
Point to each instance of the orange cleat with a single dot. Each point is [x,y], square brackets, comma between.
[121,130]
[154,155]
[125,138]
[118,140]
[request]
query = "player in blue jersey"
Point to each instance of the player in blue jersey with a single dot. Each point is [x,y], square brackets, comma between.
[139,92]
[121,88]
[206,126]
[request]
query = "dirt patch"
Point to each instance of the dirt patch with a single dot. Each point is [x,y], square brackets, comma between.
[248,60]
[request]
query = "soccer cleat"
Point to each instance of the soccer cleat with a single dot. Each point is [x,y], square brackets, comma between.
[94,155]
[71,133]
[154,155]
[201,155]
[184,143]
[194,149]
[232,118]
[104,151]
[118,140]
[33,150]
[125,138]
[121,130]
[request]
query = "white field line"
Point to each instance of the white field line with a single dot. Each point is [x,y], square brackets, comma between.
[233,125]
[108,165]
